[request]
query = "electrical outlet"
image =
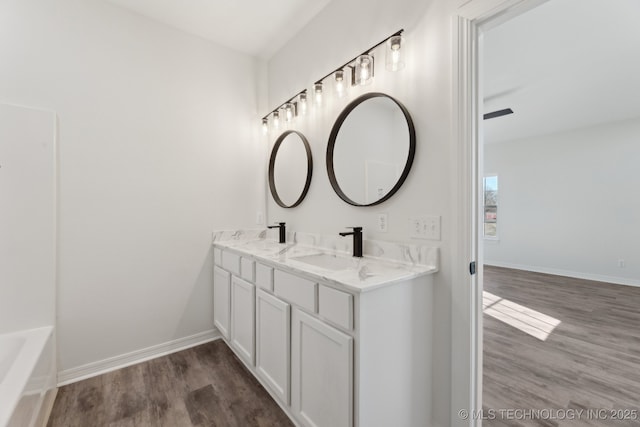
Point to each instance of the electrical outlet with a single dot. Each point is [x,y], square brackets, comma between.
[416,227]
[258,217]
[622,263]
[425,227]
[383,223]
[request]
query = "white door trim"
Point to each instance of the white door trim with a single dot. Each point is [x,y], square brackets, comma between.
[466,311]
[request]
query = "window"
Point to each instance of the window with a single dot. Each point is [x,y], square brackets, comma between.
[490,191]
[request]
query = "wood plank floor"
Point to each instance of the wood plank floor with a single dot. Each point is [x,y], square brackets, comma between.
[591,360]
[201,386]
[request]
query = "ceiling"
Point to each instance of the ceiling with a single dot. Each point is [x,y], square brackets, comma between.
[254,27]
[564,65]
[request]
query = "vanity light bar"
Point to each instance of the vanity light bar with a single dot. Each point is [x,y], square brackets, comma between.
[354,64]
[302,96]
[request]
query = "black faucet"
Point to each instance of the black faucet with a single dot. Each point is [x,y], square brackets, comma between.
[283,231]
[357,240]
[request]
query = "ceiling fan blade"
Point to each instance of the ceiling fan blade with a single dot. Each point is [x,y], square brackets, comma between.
[498,113]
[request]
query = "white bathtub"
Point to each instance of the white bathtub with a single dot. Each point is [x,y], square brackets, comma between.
[27,376]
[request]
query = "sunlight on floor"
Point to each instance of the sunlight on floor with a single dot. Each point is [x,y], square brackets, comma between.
[532,322]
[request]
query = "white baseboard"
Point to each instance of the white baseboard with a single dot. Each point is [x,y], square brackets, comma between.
[567,273]
[93,369]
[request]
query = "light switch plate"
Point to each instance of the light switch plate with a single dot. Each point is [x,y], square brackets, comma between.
[432,227]
[425,227]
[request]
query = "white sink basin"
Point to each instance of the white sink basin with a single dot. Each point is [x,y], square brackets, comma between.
[264,246]
[327,261]
[267,244]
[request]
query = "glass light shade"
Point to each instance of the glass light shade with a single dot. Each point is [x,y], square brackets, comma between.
[317,89]
[364,70]
[394,60]
[265,126]
[288,111]
[302,103]
[276,119]
[340,83]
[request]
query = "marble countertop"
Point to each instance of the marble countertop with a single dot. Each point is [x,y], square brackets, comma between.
[384,263]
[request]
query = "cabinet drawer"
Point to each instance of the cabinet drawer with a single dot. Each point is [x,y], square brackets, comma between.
[336,306]
[231,262]
[217,256]
[296,290]
[264,277]
[247,269]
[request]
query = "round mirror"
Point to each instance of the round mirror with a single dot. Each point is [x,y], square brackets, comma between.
[290,169]
[371,149]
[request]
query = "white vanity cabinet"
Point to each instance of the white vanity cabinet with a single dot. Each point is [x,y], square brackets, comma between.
[321,373]
[221,300]
[273,343]
[243,318]
[330,355]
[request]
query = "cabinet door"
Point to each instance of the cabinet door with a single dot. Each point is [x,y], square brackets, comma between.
[243,318]
[273,320]
[221,300]
[321,373]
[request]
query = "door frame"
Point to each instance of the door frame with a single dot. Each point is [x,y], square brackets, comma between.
[469,22]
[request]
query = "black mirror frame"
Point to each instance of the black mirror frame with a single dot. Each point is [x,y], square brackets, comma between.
[332,142]
[272,162]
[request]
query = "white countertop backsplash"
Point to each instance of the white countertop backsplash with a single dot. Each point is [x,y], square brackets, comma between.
[384,263]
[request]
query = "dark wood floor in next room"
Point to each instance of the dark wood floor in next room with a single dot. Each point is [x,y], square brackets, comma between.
[201,386]
[590,360]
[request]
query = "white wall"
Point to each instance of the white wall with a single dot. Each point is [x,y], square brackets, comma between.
[27,218]
[568,203]
[342,30]
[158,146]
